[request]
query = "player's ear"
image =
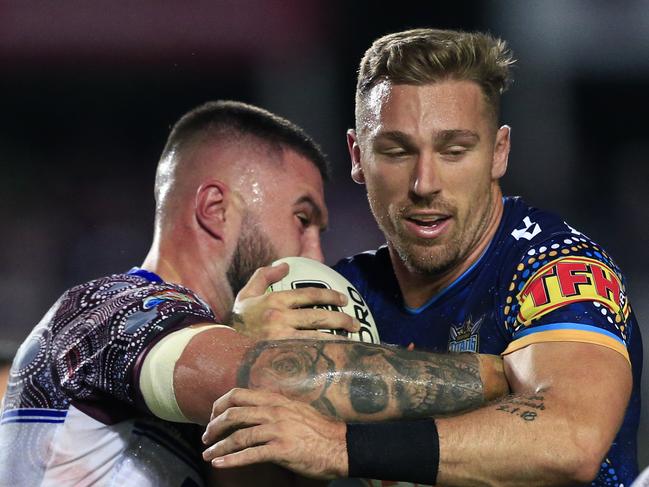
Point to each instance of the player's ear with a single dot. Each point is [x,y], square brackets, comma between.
[213,207]
[355,155]
[501,152]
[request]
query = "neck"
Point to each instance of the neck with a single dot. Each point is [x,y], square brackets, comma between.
[418,287]
[180,265]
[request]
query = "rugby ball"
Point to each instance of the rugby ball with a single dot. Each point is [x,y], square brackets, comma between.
[305,272]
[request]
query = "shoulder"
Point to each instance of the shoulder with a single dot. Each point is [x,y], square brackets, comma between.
[126,289]
[533,238]
[560,284]
[529,238]
[525,226]
[127,305]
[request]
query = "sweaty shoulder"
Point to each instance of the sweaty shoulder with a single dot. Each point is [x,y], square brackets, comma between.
[557,284]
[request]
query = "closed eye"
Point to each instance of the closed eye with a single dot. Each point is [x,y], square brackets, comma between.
[308,213]
[304,219]
[395,152]
[454,152]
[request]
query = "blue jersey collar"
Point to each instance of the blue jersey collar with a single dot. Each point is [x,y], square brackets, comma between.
[148,275]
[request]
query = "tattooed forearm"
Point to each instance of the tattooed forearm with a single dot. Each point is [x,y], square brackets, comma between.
[296,368]
[368,393]
[364,381]
[528,407]
[421,384]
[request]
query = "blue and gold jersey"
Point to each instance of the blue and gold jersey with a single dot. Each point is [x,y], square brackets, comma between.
[540,280]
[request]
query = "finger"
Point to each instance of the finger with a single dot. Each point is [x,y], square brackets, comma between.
[237,418]
[246,397]
[240,440]
[333,335]
[227,422]
[262,278]
[318,319]
[249,456]
[309,296]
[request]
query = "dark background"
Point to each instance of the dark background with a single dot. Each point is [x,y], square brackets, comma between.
[89,90]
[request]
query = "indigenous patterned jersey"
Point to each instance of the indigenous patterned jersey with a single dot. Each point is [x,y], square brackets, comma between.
[540,280]
[72,414]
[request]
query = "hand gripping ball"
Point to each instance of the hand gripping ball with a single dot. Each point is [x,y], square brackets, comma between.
[305,272]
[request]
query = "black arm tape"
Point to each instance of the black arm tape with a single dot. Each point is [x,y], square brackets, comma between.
[405,450]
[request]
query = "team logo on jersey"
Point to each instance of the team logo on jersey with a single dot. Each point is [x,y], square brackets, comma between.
[161,296]
[529,231]
[569,280]
[464,337]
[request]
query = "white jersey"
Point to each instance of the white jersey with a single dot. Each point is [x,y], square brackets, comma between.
[79,450]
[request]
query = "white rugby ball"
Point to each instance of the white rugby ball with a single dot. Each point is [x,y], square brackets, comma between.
[305,272]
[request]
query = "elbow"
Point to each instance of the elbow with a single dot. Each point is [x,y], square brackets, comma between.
[585,469]
[580,456]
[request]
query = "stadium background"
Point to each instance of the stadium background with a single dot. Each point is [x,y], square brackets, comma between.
[88,91]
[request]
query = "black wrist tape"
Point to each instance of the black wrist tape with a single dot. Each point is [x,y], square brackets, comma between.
[405,450]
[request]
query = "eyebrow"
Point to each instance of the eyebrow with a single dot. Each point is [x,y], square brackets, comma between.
[315,208]
[396,136]
[443,136]
[446,135]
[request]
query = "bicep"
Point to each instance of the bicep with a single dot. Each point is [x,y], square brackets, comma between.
[588,384]
[207,369]
[186,371]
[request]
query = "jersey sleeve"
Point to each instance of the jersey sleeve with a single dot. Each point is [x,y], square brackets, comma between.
[98,346]
[566,289]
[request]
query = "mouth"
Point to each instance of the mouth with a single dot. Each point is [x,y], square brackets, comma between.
[427,226]
[428,221]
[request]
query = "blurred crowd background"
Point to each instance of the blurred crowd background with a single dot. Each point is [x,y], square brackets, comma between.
[89,90]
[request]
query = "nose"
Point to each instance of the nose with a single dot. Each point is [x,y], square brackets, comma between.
[311,244]
[426,181]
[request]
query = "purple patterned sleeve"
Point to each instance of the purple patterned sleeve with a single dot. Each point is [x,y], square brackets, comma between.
[101,329]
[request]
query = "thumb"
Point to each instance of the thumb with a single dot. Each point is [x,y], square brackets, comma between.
[262,278]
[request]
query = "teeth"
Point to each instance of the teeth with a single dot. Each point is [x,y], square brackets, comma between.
[427,220]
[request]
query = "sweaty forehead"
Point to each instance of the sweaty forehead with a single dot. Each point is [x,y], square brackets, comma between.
[302,175]
[443,105]
[370,105]
[293,180]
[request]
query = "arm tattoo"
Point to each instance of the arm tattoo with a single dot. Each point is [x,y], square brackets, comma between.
[528,407]
[354,381]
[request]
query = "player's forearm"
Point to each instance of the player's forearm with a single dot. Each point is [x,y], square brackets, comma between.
[355,381]
[521,440]
[347,380]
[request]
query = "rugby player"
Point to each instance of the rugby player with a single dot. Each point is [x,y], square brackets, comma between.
[105,389]
[466,269]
